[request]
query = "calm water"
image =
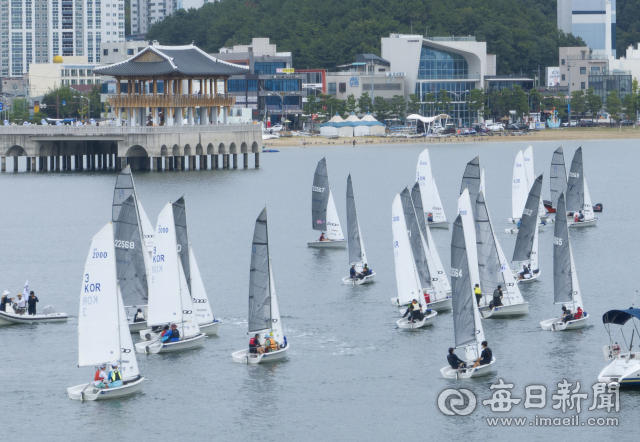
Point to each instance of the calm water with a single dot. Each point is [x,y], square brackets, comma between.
[351,375]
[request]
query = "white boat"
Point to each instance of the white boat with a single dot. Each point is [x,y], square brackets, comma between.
[408,281]
[436,269]
[264,313]
[324,215]
[427,319]
[48,315]
[133,263]
[566,290]
[623,368]
[431,202]
[103,332]
[357,255]
[587,209]
[525,252]
[493,269]
[467,325]
[169,297]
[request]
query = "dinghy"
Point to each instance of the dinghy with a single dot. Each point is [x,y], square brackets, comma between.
[132,259]
[48,315]
[566,290]
[587,209]
[526,248]
[407,278]
[436,269]
[264,312]
[493,269]
[324,216]
[169,298]
[103,331]
[623,369]
[558,180]
[472,180]
[467,325]
[357,255]
[429,192]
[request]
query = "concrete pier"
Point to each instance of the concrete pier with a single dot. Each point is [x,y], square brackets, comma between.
[257,160]
[235,160]
[215,162]
[225,161]
[245,160]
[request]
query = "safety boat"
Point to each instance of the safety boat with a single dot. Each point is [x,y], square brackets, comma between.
[48,315]
[103,332]
[324,216]
[623,368]
[357,255]
[264,312]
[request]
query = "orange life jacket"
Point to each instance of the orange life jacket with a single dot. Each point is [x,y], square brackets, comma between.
[271,344]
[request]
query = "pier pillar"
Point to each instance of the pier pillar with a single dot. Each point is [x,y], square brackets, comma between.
[4,164]
[50,168]
[245,160]
[104,161]
[178,163]
[215,161]
[33,164]
[80,162]
[99,161]
[235,160]
[158,161]
[15,164]
[192,162]
[28,164]
[110,161]
[166,163]
[257,160]
[204,159]
[63,167]
[225,161]
[57,157]
[40,163]
[93,162]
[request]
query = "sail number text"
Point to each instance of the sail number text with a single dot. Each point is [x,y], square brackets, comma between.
[124,244]
[317,189]
[456,273]
[557,241]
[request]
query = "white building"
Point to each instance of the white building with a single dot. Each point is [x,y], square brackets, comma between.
[144,13]
[34,31]
[70,71]
[456,65]
[592,20]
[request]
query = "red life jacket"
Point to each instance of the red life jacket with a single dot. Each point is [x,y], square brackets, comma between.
[578,314]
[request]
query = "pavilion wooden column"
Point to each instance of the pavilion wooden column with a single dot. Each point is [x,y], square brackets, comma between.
[130,83]
[190,109]
[117,110]
[225,110]
[203,109]
[168,111]
[216,109]
[156,117]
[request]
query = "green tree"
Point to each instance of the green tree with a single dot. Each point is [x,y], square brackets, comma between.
[444,101]
[536,99]
[413,105]
[364,103]
[577,102]
[398,106]
[430,100]
[520,102]
[66,95]
[593,102]
[382,109]
[476,101]
[351,104]
[19,111]
[613,104]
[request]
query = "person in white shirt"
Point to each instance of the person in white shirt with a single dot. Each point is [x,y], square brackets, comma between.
[21,304]
[101,378]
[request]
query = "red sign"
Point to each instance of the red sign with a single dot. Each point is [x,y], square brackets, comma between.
[314,116]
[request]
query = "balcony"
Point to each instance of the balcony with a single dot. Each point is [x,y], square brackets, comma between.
[165,100]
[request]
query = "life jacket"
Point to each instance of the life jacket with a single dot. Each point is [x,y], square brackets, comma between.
[271,344]
[97,376]
[175,334]
[578,314]
[415,307]
[427,298]
[115,376]
[477,291]
[252,342]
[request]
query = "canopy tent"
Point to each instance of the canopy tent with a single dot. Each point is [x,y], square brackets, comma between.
[428,120]
[620,317]
[330,128]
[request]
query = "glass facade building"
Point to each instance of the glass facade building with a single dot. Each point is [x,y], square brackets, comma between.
[606,82]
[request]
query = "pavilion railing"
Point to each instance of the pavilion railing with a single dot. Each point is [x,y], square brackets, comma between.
[167,100]
[121,130]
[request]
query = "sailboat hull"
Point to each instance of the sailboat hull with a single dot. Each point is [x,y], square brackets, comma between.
[359,281]
[589,223]
[534,277]
[556,324]
[210,329]
[427,320]
[156,347]
[244,357]
[482,370]
[135,327]
[441,306]
[87,392]
[439,225]
[341,244]
[7,318]
[506,311]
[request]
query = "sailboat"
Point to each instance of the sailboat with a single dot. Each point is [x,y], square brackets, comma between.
[133,262]
[169,297]
[523,179]
[324,216]
[264,313]
[526,248]
[557,181]
[467,325]
[357,255]
[429,192]
[623,370]
[575,184]
[566,290]
[494,270]
[436,269]
[148,232]
[531,178]
[103,331]
[471,180]
[587,209]
[407,278]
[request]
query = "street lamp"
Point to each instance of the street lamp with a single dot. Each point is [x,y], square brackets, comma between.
[89,108]
[458,96]
[281,96]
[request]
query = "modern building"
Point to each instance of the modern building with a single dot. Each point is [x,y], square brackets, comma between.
[270,86]
[456,65]
[592,20]
[367,72]
[496,83]
[144,13]
[631,62]
[604,82]
[115,52]
[69,71]
[36,31]
[577,64]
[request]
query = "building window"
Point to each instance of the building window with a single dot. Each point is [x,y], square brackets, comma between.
[562,62]
[252,85]
[268,68]
[342,87]
[105,52]
[281,85]
[236,86]
[582,85]
[74,81]
[562,77]
[331,88]
[129,51]
[595,69]
[583,70]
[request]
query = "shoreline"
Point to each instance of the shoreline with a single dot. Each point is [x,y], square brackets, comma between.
[560,134]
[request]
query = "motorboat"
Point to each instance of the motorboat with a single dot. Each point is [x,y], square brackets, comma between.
[623,368]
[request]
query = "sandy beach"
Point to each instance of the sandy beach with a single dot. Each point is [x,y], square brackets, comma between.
[560,134]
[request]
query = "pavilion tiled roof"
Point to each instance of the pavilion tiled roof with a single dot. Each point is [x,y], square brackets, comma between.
[186,60]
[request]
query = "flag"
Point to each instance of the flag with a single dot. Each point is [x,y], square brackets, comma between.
[504,268]
[26,289]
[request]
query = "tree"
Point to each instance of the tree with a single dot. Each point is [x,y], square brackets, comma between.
[63,94]
[382,109]
[613,105]
[444,101]
[593,102]
[364,103]
[398,106]
[413,105]
[19,111]
[476,102]
[520,101]
[351,104]
[536,99]
[430,100]
[577,102]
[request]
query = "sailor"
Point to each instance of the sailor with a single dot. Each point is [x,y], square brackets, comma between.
[485,356]
[32,303]
[165,331]
[581,215]
[478,293]
[430,217]
[497,298]
[524,273]
[270,343]
[576,217]
[567,315]
[414,311]
[518,225]
[139,316]
[254,345]
[4,301]
[454,360]
[322,238]
[175,333]
[115,378]
[21,304]
[352,272]
[578,314]
[100,379]
[366,271]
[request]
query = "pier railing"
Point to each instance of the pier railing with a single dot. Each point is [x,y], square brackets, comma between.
[122,130]
[171,100]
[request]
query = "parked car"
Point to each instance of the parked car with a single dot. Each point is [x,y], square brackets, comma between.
[518,126]
[626,123]
[587,123]
[496,127]
[572,123]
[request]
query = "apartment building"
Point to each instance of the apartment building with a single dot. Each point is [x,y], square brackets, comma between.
[145,13]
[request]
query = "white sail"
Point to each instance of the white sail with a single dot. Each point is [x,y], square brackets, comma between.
[513,295]
[483,187]
[576,294]
[276,323]
[587,208]
[437,209]
[101,317]
[527,156]
[201,304]
[334,231]
[438,268]
[468,223]
[519,187]
[407,280]
[128,360]
[437,280]
[188,324]
[148,233]
[164,289]
[533,260]
[431,202]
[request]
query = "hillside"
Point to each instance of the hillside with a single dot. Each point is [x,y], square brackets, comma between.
[326,33]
